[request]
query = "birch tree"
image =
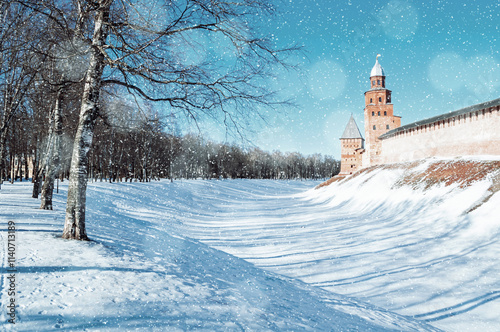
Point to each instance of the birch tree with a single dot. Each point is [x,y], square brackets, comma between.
[53,158]
[133,47]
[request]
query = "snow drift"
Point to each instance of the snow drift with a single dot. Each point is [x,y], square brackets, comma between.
[407,248]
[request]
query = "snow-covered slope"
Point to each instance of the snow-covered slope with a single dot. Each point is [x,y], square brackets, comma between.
[421,239]
[142,272]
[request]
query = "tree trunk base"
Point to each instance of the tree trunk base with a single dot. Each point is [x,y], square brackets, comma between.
[74,237]
[46,206]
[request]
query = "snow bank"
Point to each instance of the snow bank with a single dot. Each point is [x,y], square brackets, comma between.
[412,238]
[139,273]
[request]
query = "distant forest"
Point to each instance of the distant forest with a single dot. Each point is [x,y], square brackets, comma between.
[148,153]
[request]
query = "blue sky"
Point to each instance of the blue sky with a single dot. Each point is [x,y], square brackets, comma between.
[438,56]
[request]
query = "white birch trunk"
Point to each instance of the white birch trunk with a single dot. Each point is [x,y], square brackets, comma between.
[53,161]
[74,226]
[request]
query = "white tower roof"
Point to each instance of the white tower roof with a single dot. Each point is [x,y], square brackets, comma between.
[377,70]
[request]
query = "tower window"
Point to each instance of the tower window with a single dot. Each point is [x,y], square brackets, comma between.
[386,126]
[378,82]
[373,113]
[371,100]
[385,112]
[378,113]
[374,127]
[380,99]
[373,82]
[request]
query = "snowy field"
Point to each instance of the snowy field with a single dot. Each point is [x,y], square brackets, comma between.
[258,255]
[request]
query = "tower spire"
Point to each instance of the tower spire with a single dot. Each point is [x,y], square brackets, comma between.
[351,130]
[377,70]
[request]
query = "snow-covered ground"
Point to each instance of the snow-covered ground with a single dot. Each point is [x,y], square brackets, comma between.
[140,273]
[259,255]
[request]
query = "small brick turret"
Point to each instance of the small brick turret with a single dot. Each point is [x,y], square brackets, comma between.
[352,148]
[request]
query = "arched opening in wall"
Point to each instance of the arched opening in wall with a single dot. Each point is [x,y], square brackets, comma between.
[373,113]
[385,113]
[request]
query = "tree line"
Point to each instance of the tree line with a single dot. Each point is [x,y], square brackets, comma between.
[149,152]
[143,157]
[80,81]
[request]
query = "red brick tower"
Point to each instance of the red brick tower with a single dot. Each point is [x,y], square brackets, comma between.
[352,148]
[379,114]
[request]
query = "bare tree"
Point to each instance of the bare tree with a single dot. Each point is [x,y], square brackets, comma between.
[18,65]
[127,50]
